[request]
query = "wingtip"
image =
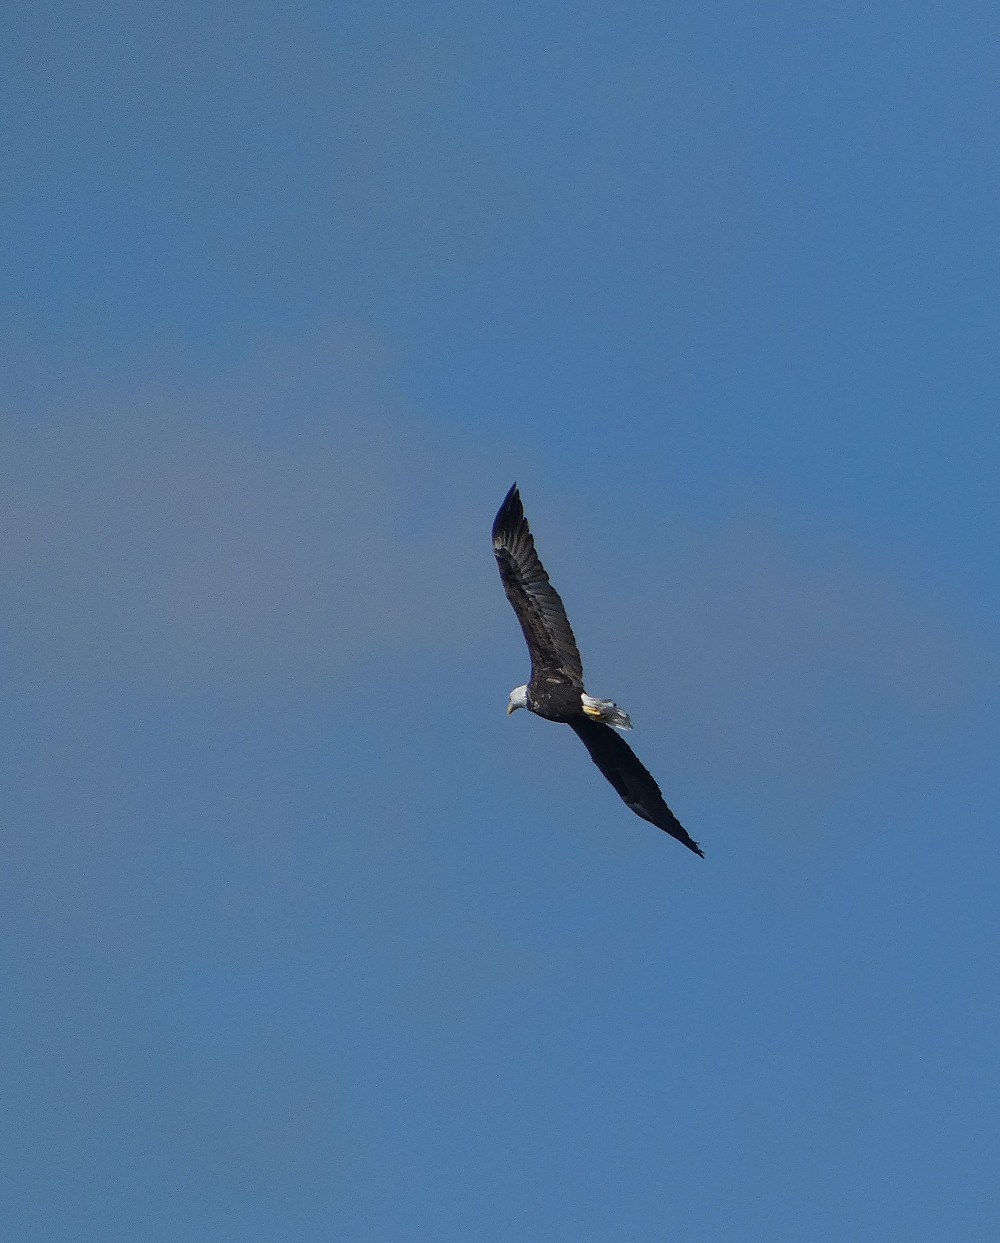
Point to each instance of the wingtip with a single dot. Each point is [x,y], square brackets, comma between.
[509,509]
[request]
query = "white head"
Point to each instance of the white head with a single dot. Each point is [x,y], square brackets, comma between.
[518,699]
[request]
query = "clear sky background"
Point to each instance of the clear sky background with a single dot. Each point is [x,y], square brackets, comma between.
[302,938]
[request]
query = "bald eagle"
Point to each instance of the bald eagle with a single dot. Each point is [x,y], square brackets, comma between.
[555,690]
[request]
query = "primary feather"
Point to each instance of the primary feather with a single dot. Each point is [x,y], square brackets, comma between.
[547,632]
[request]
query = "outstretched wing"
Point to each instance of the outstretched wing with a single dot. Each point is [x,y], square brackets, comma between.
[553,650]
[619,763]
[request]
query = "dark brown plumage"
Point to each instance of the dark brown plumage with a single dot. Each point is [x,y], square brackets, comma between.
[547,632]
[555,690]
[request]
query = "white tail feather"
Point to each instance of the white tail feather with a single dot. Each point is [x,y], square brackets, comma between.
[605,710]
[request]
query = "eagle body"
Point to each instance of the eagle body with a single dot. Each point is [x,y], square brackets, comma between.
[555,701]
[555,689]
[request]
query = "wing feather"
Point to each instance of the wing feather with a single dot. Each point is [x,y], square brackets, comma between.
[547,632]
[634,784]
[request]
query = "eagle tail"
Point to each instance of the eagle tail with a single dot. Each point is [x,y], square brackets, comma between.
[606,710]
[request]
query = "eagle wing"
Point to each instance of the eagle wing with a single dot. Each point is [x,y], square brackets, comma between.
[619,763]
[547,632]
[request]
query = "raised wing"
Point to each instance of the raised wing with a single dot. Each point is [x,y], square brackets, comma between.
[547,632]
[619,763]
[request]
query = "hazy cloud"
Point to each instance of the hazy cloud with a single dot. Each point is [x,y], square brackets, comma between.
[770,647]
[279,525]
[296,521]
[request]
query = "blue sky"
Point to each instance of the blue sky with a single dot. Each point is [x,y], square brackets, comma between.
[303,938]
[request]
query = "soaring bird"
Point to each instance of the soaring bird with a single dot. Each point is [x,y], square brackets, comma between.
[555,689]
